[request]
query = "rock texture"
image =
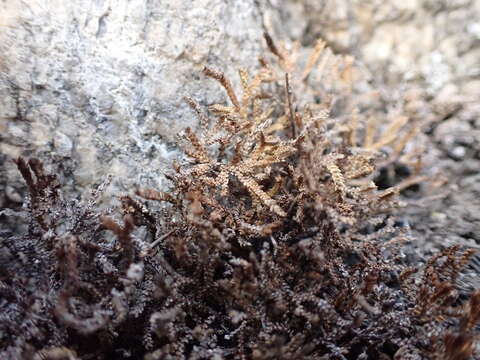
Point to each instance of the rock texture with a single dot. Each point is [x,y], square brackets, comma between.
[431,41]
[98,85]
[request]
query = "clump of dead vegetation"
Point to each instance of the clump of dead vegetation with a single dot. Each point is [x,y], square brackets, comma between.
[278,241]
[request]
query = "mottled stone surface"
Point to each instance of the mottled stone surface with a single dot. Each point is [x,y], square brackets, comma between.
[433,42]
[98,85]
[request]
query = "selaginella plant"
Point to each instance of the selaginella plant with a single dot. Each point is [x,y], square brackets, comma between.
[276,243]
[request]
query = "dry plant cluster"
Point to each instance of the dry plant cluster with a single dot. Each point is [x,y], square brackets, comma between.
[279,240]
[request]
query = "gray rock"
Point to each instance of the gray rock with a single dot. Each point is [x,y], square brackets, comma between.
[433,42]
[98,85]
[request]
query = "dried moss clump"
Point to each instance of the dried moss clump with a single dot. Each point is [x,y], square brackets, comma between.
[277,242]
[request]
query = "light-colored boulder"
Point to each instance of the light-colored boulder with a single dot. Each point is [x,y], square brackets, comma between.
[97,85]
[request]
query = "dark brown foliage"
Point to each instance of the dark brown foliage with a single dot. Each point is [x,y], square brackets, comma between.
[275,244]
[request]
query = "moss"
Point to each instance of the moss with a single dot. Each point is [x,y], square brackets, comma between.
[275,244]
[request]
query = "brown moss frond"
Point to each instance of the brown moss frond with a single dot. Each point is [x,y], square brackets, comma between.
[313,58]
[271,46]
[220,77]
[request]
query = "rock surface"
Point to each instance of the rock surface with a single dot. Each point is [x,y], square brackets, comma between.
[433,42]
[98,85]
